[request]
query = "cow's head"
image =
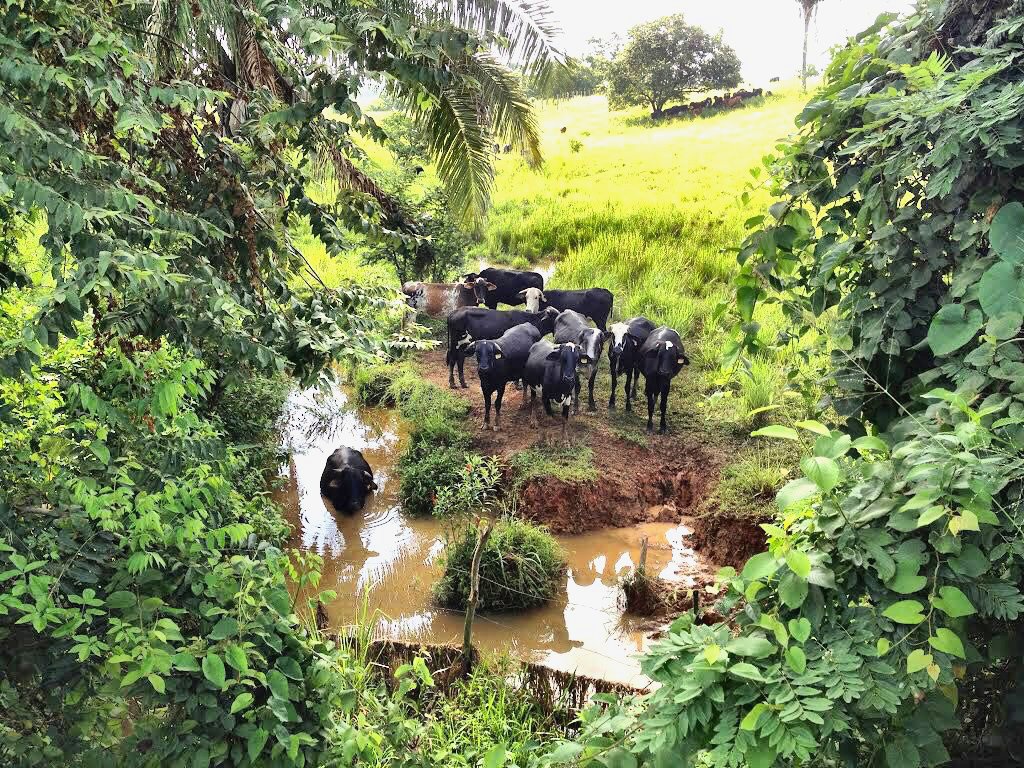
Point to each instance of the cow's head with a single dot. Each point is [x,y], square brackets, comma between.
[621,339]
[487,354]
[591,342]
[666,358]
[415,294]
[347,489]
[479,286]
[546,321]
[534,298]
[565,358]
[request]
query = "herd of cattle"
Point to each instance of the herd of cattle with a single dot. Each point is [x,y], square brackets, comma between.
[697,108]
[510,345]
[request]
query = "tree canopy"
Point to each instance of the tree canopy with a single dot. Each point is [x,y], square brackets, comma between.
[667,58]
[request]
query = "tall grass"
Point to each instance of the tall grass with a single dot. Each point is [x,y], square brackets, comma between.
[651,211]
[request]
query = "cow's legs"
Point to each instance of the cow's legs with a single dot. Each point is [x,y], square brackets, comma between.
[497,407]
[591,405]
[451,368]
[651,393]
[630,388]
[462,370]
[664,406]
[487,407]
[611,398]
[565,424]
[576,396]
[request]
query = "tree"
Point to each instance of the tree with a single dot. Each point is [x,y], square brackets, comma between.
[807,9]
[667,58]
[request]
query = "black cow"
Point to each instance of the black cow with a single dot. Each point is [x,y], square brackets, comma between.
[661,358]
[508,285]
[572,327]
[627,337]
[595,303]
[468,324]
[346,480]
[499,361]
[553,369]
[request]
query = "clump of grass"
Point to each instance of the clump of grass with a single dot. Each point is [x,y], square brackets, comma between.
[748,484]
[520,567]
[570,464]
[759,385]
[372,384]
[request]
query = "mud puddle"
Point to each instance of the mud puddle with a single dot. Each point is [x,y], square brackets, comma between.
[382,560]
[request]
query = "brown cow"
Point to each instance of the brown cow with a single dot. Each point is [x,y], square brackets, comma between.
[441,299]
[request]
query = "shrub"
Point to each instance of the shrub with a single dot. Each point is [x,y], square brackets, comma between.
[474,493]
[519,568]
[426,469]
[749,483]
[372,384]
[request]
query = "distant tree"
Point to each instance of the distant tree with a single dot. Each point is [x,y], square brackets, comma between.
[807,9]
[667,58]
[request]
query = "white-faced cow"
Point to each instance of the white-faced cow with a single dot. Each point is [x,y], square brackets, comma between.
[508,285]
[627,337]
[469,324]
[661,358]
[346,480]
[595,303]
[552,368]
[572,328]
[499,361]
[441,299]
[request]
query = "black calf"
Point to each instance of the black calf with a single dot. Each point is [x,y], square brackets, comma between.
[627,337]
[661,358]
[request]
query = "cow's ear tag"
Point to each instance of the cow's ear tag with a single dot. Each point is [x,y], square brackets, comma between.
[498,354]
[679,361]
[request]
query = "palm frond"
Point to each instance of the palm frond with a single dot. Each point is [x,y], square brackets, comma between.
[510,115]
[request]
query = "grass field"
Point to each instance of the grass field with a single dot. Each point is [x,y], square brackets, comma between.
[651,211]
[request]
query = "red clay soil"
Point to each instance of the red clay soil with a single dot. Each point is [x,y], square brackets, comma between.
[660,482]
[727,540]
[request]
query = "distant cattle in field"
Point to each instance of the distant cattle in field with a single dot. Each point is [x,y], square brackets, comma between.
[562,129]
[470,324]
[346,480]
[661,358]
[508,284]
[499,361]
[440,299]
[623,354]
[595,303]
[775,80]
[552,368]
[508,148]
[572,328]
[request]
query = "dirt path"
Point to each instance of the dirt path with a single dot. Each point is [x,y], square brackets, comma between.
[639,477]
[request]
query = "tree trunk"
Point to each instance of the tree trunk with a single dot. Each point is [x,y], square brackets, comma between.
[807,28]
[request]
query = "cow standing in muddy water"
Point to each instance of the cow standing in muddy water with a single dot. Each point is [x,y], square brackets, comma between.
[346,480]
[509,285]
[553,369]
[572,328]
[595,303]
[499,361]
[661,358]
[623,357]
[441,299]
[470,324]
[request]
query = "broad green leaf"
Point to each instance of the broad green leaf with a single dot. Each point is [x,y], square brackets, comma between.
[794,491]
[931,514]
[953,602]
[495,758]
[157,682]
[751,645]
[776,431]
[255,743]
[792,590]
[799,563]
[907,580]
[900,752]
[1005,325]
[947,641]
[796,658]
[823,471]
[921,499]
[882,646]
[712,653]
[235,657]
[213,669]
[121,600]
[278,684]
[1006,234]
[814,426]
[965,521]
[290,667]
[565,752]
[762,755]
[186,662]
[746,671]
[905,612]
[800,629]
[749,723]
[918,660]
[952,327]
[760,566]
[869,443]
[620,757]
[242,701]
[224,628]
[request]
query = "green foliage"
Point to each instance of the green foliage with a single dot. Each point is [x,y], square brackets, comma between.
[749,483]
[373,384]
[573,465]
[896,563]
[667,58]
[474,493]
[520,567]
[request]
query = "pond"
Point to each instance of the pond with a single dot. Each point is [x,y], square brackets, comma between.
[382,560]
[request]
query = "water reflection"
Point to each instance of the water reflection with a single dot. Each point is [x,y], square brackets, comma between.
[391,560]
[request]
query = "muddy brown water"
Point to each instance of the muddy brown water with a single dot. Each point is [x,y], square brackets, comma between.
[391,560]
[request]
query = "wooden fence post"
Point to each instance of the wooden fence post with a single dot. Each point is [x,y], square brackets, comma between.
[474,592]
[642,567]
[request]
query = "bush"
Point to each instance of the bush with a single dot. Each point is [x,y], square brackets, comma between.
[519,568]
[425,469]
[372,384]
[475,492]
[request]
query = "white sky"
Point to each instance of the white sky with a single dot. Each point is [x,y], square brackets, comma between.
[766,34]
